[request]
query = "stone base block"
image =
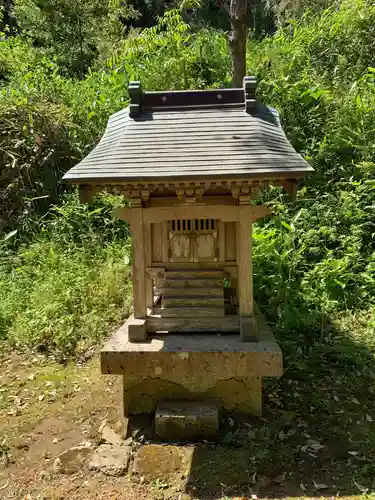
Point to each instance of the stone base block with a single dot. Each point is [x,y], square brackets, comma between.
[235,394]
[137,329]
[248,329]
[183,420]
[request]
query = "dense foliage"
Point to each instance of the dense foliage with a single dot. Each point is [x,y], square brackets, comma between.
[318,73]
[62,282]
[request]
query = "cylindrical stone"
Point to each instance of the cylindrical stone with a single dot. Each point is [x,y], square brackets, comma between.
[185,420]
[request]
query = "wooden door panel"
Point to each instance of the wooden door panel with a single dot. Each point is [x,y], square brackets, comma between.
[181,248]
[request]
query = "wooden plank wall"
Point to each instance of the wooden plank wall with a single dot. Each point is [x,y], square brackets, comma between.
[230,242]
[157,242]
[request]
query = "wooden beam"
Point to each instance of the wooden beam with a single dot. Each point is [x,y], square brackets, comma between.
[225,213]
[156,243]
[291,188]
[189,98]
[204,200]
[260,211]
[124,213]
[165,240]
[222,241]
[230,241]
[87,192]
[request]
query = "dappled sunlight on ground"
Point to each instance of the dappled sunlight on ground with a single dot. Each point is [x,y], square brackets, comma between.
[316,436]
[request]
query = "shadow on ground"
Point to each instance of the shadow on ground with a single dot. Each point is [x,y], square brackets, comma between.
[316,436]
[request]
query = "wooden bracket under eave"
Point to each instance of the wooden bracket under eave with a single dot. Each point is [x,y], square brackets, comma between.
[86,193]
[291,188]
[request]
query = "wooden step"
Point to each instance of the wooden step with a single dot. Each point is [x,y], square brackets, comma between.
[194,273]
[192,312]
[195,301]
[193,292]
[194,282]
[156,323]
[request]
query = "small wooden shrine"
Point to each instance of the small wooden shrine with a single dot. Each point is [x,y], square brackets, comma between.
[192,165]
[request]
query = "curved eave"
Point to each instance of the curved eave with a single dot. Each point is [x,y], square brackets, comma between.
[191,144]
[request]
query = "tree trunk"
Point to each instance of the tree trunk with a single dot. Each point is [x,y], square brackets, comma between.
[237,40]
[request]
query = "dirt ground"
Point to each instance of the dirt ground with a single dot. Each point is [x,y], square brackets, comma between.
[46,408]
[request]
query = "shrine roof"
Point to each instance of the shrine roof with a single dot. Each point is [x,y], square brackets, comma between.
[182,135]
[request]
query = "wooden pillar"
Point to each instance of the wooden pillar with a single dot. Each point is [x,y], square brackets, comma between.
[221,241]
[139,271]
[245,273]
[244,261]
[137,328]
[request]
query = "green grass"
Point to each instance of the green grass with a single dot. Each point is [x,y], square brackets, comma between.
[67,288]
[63,302]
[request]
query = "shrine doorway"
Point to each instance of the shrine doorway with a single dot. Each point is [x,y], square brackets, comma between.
[193,240]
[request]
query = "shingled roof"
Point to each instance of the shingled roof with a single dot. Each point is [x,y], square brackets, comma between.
[201,134]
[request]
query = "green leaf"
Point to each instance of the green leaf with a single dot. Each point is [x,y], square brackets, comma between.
[288,226]
[10,235]
[340,283]
[96,211]
[297,216]
[228,438]
[36,198]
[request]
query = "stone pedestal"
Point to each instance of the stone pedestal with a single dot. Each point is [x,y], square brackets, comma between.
[203,367]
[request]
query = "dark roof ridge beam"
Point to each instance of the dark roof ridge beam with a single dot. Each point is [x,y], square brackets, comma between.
[147,102]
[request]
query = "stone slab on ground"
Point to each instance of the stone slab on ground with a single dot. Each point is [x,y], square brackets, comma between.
[109,435]
[159,461]
[112,460]
[72,460]
[184,420]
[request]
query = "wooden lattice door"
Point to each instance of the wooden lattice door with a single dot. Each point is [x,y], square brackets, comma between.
[193,240]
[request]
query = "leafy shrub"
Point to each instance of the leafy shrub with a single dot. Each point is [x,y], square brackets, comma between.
[72,31]
[34,144]
[15,56]
[322,246]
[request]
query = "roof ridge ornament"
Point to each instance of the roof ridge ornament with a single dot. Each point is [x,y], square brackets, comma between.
[135,92]
[250,86]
